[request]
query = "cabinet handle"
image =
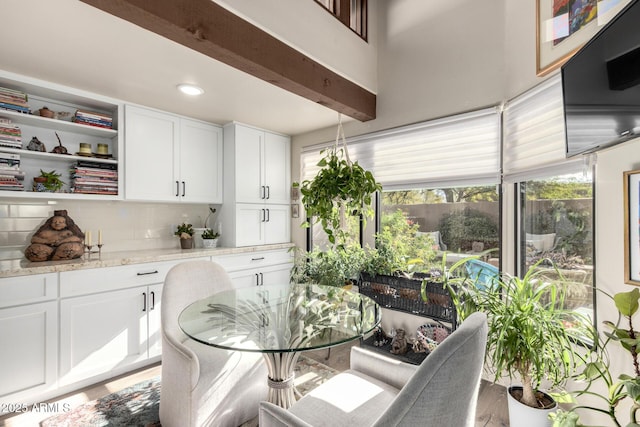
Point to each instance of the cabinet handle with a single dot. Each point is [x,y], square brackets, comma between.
[260,258]
[153,301]
[177,188]
[144,301]
[184,188]
[148,272]
[263,191]
[268,192]
[261,279]
[264,215]
[268,215]
[257,280]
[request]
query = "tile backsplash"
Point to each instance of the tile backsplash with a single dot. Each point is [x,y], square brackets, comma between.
[125,225]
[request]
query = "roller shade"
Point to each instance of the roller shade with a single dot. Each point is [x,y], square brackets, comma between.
[453,151]
[534,135]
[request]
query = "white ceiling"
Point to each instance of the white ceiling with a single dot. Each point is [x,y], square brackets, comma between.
[74,44]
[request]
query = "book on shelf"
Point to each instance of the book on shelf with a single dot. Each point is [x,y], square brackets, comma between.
[96,165]
[12,107]
[15,173]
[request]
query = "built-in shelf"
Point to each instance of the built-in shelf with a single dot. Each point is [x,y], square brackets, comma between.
[57,125]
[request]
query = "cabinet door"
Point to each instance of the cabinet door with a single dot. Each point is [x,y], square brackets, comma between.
[277,153]
[102,332]
[250,220]
[277,227]
[245,278]
[249,145]
[154,297]
[29,356]
[200,162]
[151,140]
[276,274]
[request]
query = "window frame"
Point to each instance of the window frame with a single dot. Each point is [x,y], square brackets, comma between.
[352,13]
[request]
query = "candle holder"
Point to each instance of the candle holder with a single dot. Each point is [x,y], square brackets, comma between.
[88,251]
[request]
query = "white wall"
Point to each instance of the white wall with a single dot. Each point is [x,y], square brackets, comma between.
[307,27]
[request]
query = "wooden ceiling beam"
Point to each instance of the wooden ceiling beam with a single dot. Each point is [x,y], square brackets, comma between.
[212,30]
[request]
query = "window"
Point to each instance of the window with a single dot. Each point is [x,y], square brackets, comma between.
[352,13]
[556,225]
[462,221]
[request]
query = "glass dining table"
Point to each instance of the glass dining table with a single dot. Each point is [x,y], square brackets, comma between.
[280,321]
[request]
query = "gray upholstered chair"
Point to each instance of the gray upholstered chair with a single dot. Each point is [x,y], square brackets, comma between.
[380,391]
[203,385]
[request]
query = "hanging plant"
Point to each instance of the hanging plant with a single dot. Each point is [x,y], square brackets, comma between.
[341,186]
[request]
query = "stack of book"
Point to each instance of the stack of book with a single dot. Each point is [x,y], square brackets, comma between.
[94,178]
[10,135]
[13,100]
[92,118]
[11,177]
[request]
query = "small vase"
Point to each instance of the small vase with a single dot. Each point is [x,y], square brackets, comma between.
[186,243]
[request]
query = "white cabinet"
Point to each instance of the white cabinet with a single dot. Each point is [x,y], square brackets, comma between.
[257,182]
[109,318]
[102,332]
[29,333]
[64,101]
[263,158]
[257,268]
[171,158]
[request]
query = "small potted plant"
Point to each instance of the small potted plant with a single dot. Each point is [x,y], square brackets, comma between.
[49,182]
[210,238]
[185,233]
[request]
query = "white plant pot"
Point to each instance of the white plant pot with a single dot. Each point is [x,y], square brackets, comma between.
[210,243]
[525,416]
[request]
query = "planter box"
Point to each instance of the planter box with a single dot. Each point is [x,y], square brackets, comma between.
[403,294]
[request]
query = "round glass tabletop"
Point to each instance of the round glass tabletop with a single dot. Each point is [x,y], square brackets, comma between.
[280,318]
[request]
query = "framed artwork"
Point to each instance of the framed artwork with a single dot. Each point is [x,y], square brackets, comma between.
[563,26]
[632,227]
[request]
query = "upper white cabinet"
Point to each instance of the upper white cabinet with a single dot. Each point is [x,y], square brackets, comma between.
[63,102]
[257,185]
[170,158]
[265,159]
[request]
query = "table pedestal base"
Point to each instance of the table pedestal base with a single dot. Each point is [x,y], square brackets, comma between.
[281,368]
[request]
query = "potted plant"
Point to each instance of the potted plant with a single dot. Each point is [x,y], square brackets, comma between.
[531,337]
[185,232]
[597,369]
[48,182]
[339,266]
[340,187]
[210,238]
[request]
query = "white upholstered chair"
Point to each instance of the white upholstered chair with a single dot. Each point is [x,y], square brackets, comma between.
[381,391]
[204,385]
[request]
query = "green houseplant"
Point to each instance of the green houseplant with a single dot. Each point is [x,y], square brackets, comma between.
[531,336]
[185,232]
[596,370]
[210,238]
[50,181]
[340,187]
[339,266]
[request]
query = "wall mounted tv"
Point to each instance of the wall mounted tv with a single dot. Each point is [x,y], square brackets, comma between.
[601,86]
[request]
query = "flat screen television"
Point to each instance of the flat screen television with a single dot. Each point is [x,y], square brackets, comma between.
[601,86]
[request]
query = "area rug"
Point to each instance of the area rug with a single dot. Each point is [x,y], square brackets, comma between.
[138,405]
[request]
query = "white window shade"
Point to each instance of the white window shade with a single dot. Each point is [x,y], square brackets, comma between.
[534,135]
[453,151]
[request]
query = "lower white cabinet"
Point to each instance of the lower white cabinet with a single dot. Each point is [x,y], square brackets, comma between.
[29,337]
[28,358]
[106,331]
[271,275]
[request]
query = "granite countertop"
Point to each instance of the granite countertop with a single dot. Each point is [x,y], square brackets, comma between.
[10,268]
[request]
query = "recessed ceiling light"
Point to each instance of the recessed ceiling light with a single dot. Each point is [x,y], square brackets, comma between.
[190,89]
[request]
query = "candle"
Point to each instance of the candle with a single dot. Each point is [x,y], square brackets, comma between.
[88,238]
[99,237]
